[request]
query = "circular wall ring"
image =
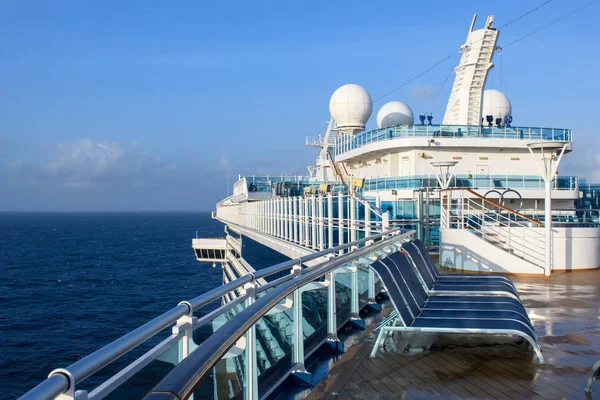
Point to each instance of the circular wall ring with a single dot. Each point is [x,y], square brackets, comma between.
[513,191]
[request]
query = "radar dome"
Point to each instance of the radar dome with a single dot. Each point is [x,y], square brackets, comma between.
[495,103]
[351,106]
[394,113]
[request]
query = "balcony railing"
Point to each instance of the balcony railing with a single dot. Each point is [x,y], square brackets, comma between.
[350,142]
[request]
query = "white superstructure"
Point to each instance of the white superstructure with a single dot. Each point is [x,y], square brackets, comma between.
[365,180]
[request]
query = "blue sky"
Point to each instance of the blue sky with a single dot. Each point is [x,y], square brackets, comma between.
[145,105]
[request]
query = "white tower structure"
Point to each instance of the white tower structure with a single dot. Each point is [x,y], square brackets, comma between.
[496,104]
[394,113]
[351,106]
[464,105]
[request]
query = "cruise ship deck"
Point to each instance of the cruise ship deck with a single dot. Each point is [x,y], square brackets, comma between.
[566,315]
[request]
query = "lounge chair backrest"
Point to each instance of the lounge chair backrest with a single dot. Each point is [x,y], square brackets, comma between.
[425,254]
[420,264]
[397,298]
[403,287]
[405,272]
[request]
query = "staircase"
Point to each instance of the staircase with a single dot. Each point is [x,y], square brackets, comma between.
[340,169]
[514,234]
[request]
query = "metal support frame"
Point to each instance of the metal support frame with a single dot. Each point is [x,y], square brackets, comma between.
[340,220]
[337,346]
[314,220]
[595,372]
[184,325]
[371,287]
[301,220]
[321,224]
[330,218]
[250,367]
[390,328]
[299,370]
[285,219]
[352,215]
[306,226]
[355,320]
[290,216]
[281,217]
[295,219]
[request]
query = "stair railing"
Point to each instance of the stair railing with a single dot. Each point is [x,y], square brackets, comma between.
[510,230]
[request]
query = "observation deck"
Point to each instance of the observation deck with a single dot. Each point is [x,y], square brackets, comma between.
[346,143]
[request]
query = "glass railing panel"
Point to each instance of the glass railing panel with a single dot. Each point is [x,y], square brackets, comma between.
[474,181]
[363,285]
[343,297]
[349,142]
[315,316]
[274,341]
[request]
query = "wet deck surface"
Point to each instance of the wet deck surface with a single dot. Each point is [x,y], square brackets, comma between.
[565,312]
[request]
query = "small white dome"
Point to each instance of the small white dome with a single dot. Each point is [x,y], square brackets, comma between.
[395,113]
[351,106]
[495,103]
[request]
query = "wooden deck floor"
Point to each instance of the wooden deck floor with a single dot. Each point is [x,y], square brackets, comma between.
[566,315]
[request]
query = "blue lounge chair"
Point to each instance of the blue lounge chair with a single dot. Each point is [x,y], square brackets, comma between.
[454,283]
[419,312]
[430,270]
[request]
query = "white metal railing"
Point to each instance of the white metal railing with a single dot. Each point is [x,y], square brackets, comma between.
[347,142]
[515,233]
[314,221]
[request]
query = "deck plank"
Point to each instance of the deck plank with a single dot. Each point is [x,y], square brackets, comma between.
[564,311]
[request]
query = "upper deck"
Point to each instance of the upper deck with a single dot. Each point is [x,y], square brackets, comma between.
[346,143]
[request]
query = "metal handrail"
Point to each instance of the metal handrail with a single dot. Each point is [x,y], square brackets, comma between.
[349,142]
[471,207]
[537,249]
[185,377]
[495,204]
[63,379]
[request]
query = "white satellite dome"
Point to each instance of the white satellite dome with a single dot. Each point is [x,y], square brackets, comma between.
[395,113]
[495,103]
[351,106]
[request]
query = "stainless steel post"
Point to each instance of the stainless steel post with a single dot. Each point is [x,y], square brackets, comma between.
[314,220]
[321,224]
[250,368]
[330,218]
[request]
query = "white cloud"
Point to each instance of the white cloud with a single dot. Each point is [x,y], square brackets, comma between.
[85,163]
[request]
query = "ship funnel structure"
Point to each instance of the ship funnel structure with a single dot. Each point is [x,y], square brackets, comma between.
[351,107]
[464,105]
[394,113]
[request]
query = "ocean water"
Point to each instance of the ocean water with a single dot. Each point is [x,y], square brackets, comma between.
[72,282]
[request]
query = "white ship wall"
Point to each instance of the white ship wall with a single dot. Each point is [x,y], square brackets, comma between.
[408,162]
[573,249]
[498,162]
